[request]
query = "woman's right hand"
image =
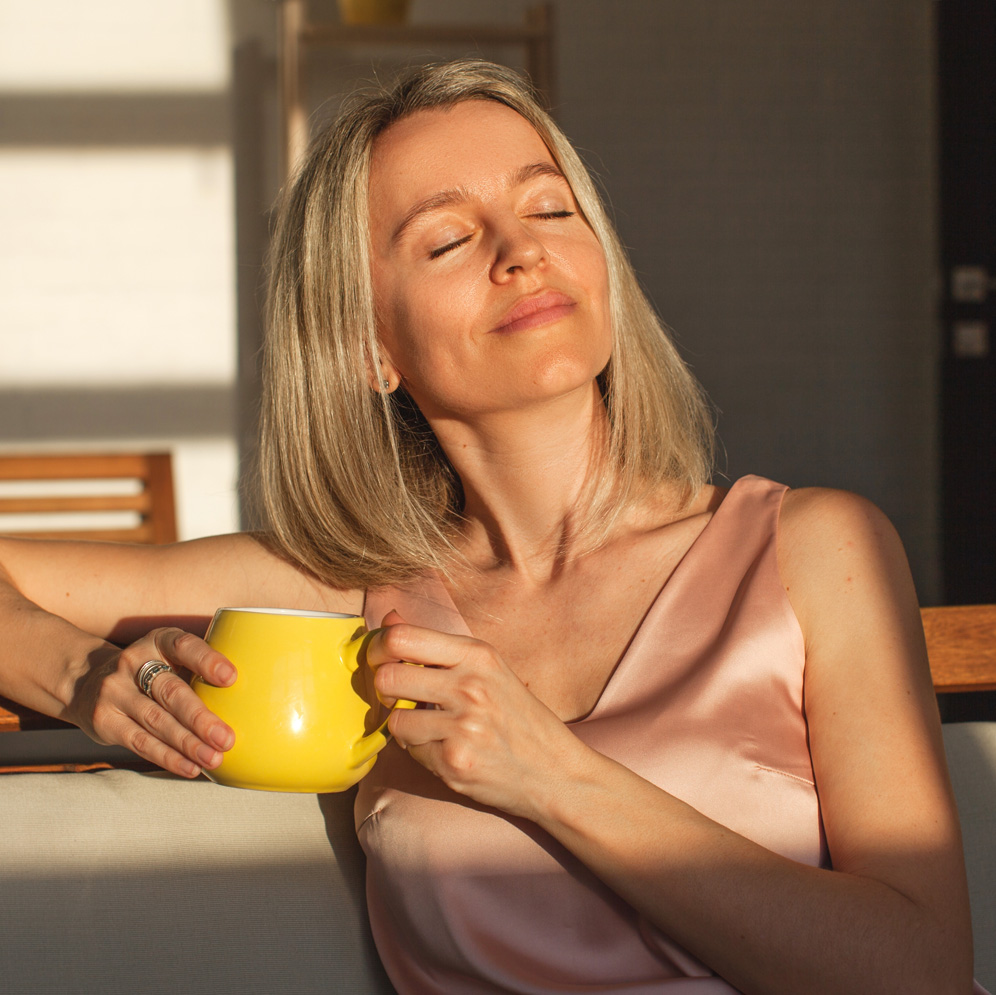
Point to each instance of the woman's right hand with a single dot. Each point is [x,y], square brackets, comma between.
[169,726]
[67,606]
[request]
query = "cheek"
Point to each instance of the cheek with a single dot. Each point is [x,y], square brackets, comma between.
[596,279]
[599,269]
[390,334]
[424,324]
[395,322]
[583,261]
[409,334]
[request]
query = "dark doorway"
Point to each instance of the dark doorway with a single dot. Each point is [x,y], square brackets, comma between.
[966,31]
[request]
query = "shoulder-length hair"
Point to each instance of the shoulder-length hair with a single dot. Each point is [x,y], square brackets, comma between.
[353,484]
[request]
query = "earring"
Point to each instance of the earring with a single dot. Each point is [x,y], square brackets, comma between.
[386,385]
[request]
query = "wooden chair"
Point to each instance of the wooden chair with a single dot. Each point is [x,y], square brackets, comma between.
[151,505]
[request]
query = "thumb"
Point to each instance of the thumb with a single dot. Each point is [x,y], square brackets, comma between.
[393,617]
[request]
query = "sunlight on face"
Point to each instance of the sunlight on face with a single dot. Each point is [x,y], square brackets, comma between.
[491,289]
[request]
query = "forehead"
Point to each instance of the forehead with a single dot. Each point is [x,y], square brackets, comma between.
[474,145]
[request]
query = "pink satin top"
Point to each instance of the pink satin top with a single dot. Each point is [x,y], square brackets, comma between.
[706,703]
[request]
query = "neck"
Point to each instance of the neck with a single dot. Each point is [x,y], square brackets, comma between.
[522,474]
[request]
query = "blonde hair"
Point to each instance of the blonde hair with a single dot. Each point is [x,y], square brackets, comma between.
[354,486]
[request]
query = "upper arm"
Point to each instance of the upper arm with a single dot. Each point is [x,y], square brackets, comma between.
[120,591]
[875,736]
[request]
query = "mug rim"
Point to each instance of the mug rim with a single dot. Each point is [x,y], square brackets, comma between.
[293,612]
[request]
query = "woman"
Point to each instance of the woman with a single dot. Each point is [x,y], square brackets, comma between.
[475,432]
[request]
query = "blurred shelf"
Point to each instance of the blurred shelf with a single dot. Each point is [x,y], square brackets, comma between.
[297,35]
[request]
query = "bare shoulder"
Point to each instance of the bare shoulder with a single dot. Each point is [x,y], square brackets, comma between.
[845,572]
[833,542]
[817,515]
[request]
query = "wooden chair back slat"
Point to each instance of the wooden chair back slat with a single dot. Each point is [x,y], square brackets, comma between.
[153,506]
[77,466]
[141,502]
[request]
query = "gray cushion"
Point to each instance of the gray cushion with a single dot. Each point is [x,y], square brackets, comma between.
[971,750]
[119,882]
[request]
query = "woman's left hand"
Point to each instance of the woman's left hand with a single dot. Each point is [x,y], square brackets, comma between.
[489,737]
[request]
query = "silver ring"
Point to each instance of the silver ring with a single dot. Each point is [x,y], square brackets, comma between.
[148,672]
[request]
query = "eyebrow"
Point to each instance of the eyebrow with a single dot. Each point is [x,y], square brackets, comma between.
[458,195]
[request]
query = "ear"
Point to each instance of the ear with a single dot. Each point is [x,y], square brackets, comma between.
[383,378]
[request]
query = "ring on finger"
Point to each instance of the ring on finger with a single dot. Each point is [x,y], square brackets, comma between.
[148,672]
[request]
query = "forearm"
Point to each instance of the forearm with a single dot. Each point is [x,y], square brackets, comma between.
[892,916]
[765,923]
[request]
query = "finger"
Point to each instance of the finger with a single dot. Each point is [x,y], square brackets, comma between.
[177,737]
[186,650]
[189,652]
[143,726]
[428,737]
[428,647]
[373,640]
[156,736]
[413,683]
[393,617]
[176,697]
[418,727]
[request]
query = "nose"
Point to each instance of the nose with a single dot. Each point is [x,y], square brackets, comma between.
[518,251]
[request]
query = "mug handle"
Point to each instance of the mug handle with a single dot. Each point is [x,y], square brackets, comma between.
[369,746]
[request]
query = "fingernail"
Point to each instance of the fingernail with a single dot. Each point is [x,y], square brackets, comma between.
[224,673]
[222,738]
[189,770]
[208,756]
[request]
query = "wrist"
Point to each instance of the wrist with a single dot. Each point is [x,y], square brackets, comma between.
[90,656]
[576,775]
[57,679]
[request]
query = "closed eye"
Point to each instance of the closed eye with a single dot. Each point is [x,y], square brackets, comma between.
[450,246]
[443,249]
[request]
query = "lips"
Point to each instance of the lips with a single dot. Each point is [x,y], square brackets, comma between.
[551,305]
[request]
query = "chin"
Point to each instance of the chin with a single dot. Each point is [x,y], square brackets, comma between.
[561,379]
[569,372]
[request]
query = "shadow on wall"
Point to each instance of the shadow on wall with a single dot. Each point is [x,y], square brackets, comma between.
[37,414]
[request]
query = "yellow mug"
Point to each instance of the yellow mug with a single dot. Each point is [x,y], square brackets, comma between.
[302,709]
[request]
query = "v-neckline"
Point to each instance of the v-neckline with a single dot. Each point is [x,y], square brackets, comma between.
[448,604]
